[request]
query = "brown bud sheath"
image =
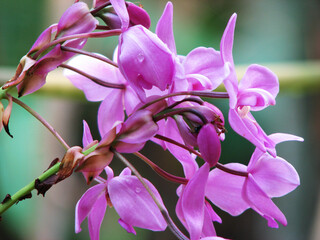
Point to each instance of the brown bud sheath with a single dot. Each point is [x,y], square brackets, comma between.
[70,160]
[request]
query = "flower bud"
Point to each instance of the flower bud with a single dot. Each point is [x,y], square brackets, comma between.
[138,128]
[76,19]
[6,115]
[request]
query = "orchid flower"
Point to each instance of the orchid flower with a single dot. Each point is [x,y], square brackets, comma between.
[257,90]
[130,199]
[267,177]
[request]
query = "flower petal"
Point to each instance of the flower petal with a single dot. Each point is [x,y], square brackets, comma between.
[134,204]
[164,28]
[261,203]
[275,176]
[209,144]
[225,190]
[110,113]
[87,202]
[193,202]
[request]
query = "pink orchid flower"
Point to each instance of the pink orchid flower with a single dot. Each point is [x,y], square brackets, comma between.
[267,177]
[149,60]
[257,90]
[130,199]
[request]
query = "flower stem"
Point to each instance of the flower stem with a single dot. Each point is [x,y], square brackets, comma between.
[79,51]
[28,188]
[160,171]
[31,186]
[94,79]
[103,34]
[191,93]
[44,122]
[163,211]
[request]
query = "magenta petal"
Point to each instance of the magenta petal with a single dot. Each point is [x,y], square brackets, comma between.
[138,128]
[76,19]
[96,216]
[164,28]
[145,60]
[208,228]
[275,176]
[138,15]
[44,38]
[260,77]
[87,137]
[110,112]
[206,62]
[248,128]
[121,9]
[225,190]
[96,68]
[227,40]
[209,144]
[87,202]
[134,204]
[127,227]
[188,162]
[193,202]
[283,137]
[261,203]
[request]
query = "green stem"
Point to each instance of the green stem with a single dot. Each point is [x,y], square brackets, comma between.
[28,188]
[31,186]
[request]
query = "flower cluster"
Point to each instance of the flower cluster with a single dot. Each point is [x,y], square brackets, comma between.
[150,92]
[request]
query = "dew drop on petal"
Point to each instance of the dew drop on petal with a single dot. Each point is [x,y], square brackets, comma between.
[140,57]
[138,190]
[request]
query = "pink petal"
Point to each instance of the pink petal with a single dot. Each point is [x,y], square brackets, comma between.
[134,204]
[127,227]
[275,176]
[110,112]
[209,144]
[44,38]
[145,60]
[227,40]
[87,202]
[96,68]
[188,162]
[282,137]
[164,28]
[260,77]
[87,137]
[138,128]
[261,203]
[193,202]
[206,62]
[76,19]
[225,190]
[138,15]
[121,9]
[96,216]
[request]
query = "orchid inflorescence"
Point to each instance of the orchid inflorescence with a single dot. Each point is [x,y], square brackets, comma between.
[149,92]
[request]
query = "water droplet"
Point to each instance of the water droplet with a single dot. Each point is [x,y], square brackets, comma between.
[140,57]
[138,190]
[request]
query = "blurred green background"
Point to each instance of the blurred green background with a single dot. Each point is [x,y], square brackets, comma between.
[283,34]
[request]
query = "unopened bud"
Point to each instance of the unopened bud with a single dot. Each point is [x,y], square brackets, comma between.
[6,115]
